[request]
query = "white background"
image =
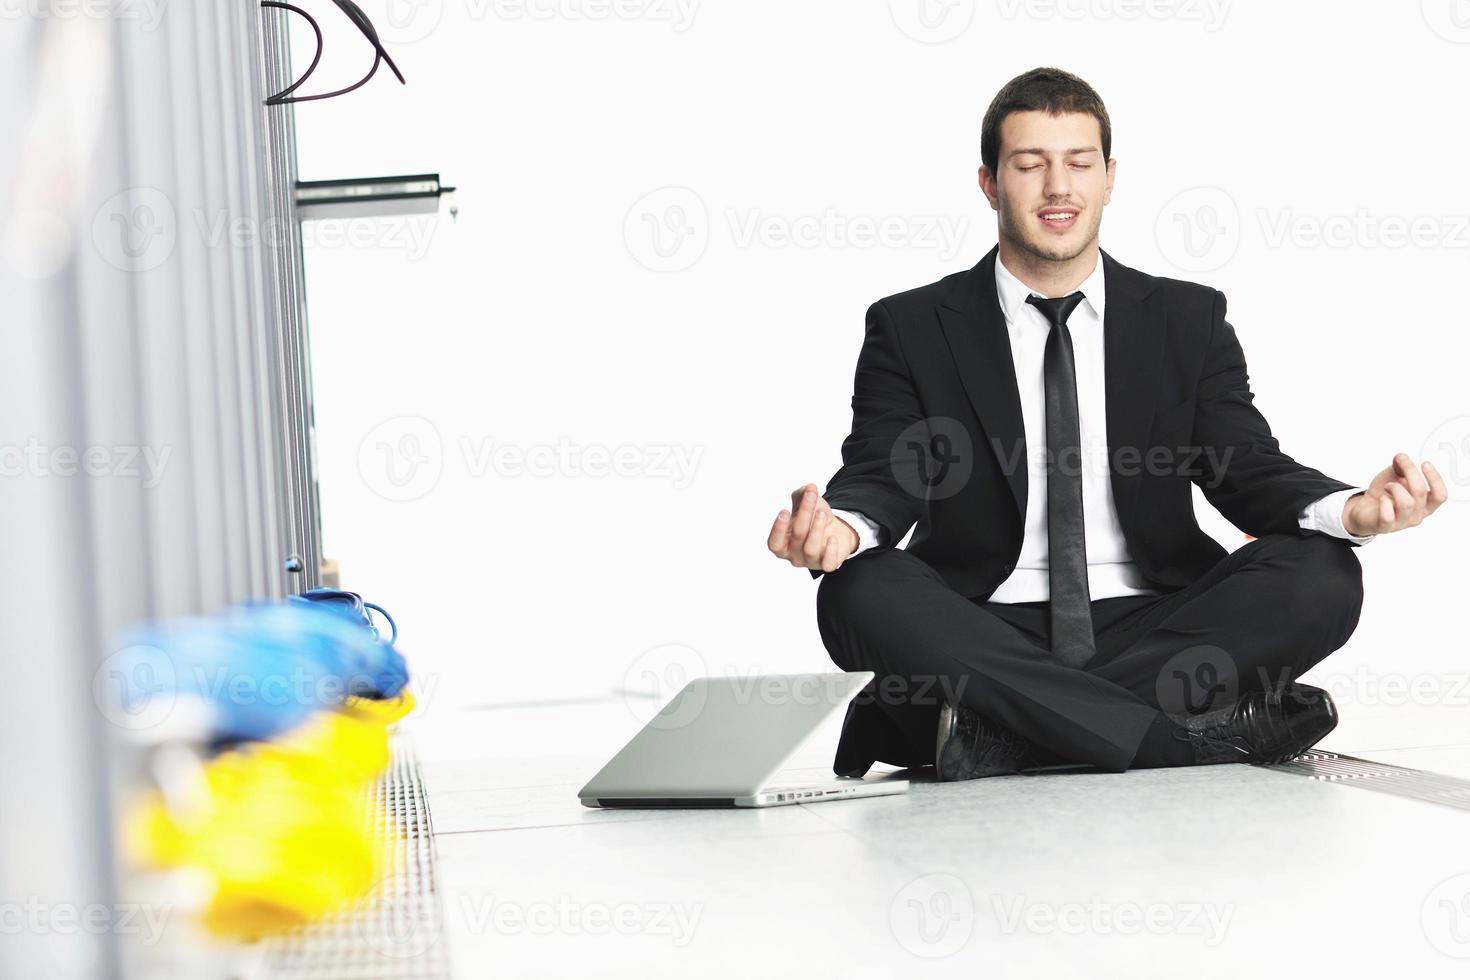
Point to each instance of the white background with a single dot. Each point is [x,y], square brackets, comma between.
[547,315]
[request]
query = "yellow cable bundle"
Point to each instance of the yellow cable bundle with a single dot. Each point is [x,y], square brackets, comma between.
[283,829]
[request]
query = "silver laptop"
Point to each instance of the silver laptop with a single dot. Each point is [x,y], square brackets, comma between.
[721,740]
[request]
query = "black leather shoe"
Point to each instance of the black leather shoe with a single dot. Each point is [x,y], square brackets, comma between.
[970,746]
[1264,727]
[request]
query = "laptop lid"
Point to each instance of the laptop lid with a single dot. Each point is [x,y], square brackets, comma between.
[724,736]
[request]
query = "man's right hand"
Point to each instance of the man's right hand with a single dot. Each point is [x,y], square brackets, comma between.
[809,536]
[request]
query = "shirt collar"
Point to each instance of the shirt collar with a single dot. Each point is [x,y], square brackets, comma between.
[1013,292]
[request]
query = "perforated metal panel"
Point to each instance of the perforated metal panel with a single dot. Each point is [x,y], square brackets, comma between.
[398,929]
[1414,784]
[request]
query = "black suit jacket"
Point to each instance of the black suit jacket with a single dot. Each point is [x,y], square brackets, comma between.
[937,437]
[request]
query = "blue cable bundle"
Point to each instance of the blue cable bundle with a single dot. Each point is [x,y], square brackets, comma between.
[254,671]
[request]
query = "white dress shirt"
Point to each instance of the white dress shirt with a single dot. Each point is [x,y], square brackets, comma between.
[1110,568]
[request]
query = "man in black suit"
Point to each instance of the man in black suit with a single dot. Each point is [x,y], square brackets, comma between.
[1039,421]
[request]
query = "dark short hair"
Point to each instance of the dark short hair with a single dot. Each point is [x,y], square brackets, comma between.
[1048,90]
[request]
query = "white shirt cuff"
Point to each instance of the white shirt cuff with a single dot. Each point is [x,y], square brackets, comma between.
[1325,515]
[867,531]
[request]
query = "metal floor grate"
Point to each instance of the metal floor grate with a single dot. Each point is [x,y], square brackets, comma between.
[1414,784]
[396,931]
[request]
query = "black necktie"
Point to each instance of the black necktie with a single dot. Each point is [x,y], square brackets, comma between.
[1071,610]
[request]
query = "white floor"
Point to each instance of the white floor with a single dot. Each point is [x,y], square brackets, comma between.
[1213,871]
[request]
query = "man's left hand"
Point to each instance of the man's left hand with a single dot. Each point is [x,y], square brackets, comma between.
[1399,497]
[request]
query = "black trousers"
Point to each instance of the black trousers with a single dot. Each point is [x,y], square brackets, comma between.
[1263,615]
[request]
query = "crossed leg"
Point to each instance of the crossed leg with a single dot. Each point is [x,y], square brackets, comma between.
[1262,615]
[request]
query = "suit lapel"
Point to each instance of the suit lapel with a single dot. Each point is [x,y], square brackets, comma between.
[1133,339]
[975,330]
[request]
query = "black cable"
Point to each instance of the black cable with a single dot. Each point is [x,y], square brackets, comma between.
[280,97]
[361,21]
